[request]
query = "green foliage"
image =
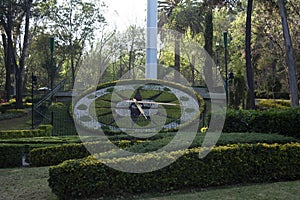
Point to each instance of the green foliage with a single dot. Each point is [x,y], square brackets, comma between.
[282,121]
[54,155]
[11,155]
[224,165]
[42,131]
[62,121]
[272,103]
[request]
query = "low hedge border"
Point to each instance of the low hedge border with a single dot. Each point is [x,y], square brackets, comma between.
[41,131]
[224,165]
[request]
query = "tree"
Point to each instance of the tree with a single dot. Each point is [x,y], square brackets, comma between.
[75,23]
[249,69]
[15,20]
[289,55]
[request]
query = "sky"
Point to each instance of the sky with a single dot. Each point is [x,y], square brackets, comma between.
[122,13]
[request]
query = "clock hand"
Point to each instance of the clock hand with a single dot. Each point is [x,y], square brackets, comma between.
[150,102]
[139,107]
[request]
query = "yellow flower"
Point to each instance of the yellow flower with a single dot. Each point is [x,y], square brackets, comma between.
[204,129]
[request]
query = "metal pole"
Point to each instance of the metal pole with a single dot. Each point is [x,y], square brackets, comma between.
[151,45]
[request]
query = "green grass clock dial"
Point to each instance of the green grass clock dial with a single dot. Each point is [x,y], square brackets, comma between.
[138,106]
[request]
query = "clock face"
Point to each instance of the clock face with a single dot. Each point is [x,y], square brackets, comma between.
[138,107]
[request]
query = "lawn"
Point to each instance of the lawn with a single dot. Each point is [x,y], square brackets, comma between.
[23,122]
[31,183]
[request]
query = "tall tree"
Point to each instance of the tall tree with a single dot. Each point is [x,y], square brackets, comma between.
[289,55]
[249,69]
[15,20]
[75,23]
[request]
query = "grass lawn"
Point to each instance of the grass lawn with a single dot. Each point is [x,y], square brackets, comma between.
[16,123]
[31,183]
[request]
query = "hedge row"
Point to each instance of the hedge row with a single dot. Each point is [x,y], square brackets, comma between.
[53,155]
[282,121]
[224,165]
[42,131]
[11,154]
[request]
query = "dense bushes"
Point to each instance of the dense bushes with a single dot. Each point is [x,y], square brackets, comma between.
[11,155]
[42,131]
[223,165]
[54,155]
[282,121]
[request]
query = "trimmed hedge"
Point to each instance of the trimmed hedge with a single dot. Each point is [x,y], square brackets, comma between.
[42,131]
[224,165]
[11,155]
[282,121]
[54,155]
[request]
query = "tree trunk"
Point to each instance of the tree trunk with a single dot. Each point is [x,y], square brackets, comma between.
[289,56]
[249,70]
[208,35]
[7,56]
[177,56]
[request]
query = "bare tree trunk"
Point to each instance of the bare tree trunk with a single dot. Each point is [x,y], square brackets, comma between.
[289,56]
[7,56]
[177,56]
[208,35]
[249,70]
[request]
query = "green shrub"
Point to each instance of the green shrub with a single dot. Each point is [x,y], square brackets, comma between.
[54,155]
[224,165]
[271,103]
[282,121]
[42,131]
[11,155]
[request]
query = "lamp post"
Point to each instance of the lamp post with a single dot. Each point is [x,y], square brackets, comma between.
[225,34]
[217,58]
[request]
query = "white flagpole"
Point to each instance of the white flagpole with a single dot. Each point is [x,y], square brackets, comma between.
[151,44]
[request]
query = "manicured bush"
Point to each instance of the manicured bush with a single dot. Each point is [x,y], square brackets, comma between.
[54,155]
[224,165]
[11,155]
[282,121]
[42,131]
